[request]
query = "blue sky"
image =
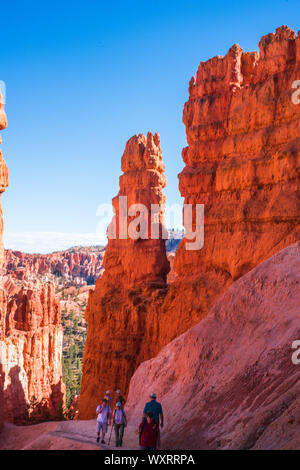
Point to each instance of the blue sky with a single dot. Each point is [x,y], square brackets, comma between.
[83,77]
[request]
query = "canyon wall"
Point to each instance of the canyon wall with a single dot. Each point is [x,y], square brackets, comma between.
[31,355]
[243,163]
[230,381]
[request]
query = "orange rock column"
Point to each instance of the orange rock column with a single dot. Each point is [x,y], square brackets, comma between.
[123,310]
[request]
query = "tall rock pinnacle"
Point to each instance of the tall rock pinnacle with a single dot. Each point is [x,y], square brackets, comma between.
[121,312]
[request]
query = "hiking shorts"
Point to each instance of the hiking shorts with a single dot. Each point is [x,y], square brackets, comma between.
[102,426]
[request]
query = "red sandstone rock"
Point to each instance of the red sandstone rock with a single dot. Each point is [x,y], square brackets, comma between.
[31,355]
[243,163]
[74,409]
[229,382]
[122,312]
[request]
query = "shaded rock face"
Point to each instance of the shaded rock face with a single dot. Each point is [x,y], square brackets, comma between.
[31,355]
[82,265]
[229,382]
[242,162]
[122,312]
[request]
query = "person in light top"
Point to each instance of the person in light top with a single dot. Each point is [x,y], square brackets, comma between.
[103,413]
[108,397]
[119,422]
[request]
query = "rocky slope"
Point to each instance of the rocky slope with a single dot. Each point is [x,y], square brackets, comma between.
[242,162]
[229,382]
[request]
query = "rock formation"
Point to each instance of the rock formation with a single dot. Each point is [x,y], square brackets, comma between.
[230,382]
[122,313]
[80,265]
[30,342]
[31,355]
[242,162]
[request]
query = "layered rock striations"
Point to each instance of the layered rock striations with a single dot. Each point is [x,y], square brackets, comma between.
[31,355]
[123,311]
[243,163]
[232,381]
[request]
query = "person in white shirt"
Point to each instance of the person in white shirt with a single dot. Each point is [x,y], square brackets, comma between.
[103,413]
[120,422]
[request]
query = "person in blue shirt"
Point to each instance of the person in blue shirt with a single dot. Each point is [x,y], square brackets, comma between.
[156,409]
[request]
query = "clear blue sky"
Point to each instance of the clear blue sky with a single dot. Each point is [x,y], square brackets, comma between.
[83,77]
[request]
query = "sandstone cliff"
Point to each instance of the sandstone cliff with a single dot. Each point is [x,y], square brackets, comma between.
[229,382]
[31,354]
[242,162]
[122,313]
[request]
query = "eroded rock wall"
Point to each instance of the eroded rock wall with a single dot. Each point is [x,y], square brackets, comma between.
[243,163]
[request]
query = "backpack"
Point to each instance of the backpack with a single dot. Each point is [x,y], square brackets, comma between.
[123,413]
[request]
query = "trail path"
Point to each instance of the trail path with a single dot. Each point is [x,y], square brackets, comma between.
[62,435]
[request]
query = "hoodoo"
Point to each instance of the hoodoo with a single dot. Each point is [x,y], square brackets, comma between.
[123,311]
[243,163]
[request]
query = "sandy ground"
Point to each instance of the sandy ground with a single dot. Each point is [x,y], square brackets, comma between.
[62,435]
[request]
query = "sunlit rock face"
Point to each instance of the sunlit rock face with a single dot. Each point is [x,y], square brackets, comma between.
[243,163]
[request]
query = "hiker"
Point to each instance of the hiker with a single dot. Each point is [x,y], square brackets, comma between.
[156,409]
[103,413]
[149,433]
[120,399]
[108,397]
[119,423]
